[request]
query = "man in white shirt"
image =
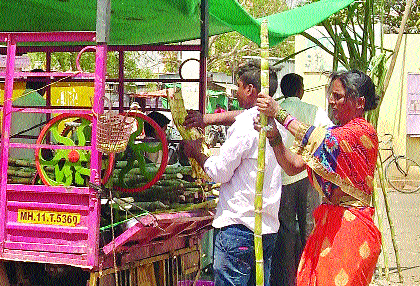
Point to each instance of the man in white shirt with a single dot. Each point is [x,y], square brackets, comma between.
[236,168]
[299,198]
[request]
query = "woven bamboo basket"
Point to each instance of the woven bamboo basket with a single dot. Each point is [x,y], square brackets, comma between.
[114,130]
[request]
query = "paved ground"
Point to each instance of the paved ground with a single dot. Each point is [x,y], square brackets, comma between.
[405,215]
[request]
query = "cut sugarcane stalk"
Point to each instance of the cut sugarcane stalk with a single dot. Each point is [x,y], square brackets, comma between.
[258,246]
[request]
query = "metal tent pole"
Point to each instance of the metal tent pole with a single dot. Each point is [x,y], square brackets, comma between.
[102,36]
[203,55]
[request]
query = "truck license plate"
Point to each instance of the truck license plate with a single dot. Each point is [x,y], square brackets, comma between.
[48,217]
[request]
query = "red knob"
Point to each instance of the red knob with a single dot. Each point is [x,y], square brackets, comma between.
[74,156]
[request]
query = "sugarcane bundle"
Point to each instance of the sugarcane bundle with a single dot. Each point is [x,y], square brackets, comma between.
[178,111]
[21,171]
[170,190]
[163,197]
[174,178]
[170,169]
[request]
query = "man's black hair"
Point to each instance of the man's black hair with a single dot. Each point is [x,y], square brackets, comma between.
[290,84]
[250,73]
[159,118]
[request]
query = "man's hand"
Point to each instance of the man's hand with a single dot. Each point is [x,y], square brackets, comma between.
[191,147]
[194,119]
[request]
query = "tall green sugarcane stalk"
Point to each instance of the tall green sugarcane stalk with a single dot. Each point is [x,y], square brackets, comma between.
[380,170]
[258,245]
[373,118]
[391,227]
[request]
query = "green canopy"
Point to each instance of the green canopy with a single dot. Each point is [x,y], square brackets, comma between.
[137,22]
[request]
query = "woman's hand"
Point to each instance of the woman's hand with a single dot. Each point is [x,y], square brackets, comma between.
[272,131]
[291,163]
[267,105]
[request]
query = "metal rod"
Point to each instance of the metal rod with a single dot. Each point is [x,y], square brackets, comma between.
[121,80]
[102,34]
[203,56]
[79,36]
[103,17]
[111,48]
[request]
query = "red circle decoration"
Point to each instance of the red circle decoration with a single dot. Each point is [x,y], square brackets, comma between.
[162,137]
[47,126]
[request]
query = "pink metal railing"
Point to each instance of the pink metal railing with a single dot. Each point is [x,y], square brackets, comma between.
[50,240]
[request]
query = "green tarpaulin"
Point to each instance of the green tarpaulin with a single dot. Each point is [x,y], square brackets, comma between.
[136,22]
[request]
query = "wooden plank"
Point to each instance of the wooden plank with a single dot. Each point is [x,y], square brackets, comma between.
[161,274]
[190,262]
[146,275]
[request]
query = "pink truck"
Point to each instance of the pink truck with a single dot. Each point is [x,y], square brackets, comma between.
[57,222]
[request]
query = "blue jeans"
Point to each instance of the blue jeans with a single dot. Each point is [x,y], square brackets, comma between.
[234,257]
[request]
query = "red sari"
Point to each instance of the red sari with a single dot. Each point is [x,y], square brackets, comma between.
[345,244]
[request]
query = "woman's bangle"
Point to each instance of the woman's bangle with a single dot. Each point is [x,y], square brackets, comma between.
[281,116]
[275,141]
[288,121]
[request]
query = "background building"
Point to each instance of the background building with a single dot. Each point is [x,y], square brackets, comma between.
[402,98]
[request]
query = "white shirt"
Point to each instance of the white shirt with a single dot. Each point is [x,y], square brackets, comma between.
[236,168]
[309,114]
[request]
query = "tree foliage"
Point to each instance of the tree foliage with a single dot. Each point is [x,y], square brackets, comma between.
[352,43]
[170,61]
[227,50]
[393,11]
[351,36]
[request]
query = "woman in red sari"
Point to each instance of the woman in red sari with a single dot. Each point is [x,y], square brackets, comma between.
[345,244]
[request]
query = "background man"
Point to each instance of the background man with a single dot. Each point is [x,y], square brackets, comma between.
[163,121]
[299,198]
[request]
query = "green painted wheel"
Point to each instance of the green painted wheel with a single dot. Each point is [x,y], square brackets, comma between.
[141,173]
[68,167]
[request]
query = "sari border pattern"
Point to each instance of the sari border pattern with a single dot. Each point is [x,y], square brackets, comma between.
[315,136]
